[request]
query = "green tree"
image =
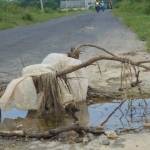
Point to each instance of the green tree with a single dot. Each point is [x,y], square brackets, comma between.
[53,4]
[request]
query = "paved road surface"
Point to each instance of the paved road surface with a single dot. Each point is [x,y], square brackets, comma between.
[31,44]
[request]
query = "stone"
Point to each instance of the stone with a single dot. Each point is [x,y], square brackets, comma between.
[111,135]
[146,125]
[119,143]
[19,126]
[103,140]
[85,140]
[79,140]
[91,136]
[90,102]
[33,147]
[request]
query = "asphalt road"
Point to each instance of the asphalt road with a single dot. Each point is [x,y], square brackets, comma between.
[22,46]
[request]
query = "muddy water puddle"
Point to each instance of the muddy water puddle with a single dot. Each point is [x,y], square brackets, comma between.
[132,114]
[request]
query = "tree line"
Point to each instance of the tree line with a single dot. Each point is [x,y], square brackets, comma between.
[52,4]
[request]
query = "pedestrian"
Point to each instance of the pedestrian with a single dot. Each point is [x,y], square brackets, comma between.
[97,6]
[110,4]
[102,5]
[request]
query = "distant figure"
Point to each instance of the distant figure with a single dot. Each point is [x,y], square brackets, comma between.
[110,4]
[97,6]
[102,5]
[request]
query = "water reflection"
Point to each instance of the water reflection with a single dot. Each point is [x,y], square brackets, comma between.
[13,114]
[132,114]
[17,119]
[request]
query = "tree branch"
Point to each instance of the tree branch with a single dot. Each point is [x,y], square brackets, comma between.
[52,132]
[99,58]
[94,46]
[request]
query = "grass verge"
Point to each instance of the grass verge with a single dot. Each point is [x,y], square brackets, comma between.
[137,16]
[18,16]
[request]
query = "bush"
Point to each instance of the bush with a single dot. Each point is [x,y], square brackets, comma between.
[27,17]
[147,9]
[136,14]
[48,10]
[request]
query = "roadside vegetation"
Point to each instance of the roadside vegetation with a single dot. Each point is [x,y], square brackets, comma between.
[136,14]
[24,12]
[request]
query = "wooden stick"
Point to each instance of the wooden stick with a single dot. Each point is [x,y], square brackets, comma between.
[53,132]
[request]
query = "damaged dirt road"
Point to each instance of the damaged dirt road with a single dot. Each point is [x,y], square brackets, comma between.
[29,45]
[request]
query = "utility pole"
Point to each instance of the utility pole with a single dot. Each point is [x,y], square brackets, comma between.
[66,6]
[42,8]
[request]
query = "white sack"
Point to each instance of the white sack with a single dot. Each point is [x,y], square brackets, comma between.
[77,80]
[21,92]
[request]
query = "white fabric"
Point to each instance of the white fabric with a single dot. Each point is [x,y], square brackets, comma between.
[21,92]
[77,80]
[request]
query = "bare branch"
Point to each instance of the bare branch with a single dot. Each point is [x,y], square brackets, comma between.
[109,116]
[94,46]
[98,58]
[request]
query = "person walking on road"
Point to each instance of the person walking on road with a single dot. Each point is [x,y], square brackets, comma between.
[102,5]
[97,6]
[110,4]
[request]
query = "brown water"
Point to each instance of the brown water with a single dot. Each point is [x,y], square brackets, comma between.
[132,114]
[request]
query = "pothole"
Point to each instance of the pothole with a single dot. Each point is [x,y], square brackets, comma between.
[133,114]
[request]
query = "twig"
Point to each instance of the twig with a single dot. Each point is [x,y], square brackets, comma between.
[109,116]
[95,46]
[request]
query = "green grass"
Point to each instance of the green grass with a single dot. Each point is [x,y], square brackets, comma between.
[13,16]
[137,16]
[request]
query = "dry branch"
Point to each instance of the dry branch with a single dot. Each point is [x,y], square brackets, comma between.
[109,116]
[94,46]
[99,58]
[53,132]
